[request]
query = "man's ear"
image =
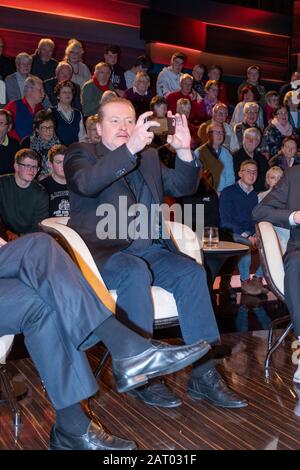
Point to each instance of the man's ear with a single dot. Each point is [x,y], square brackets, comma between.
[99,128]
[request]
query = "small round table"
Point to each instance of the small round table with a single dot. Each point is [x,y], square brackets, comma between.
[215,257]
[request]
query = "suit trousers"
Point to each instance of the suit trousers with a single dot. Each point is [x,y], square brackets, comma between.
[44,296]
[132,275]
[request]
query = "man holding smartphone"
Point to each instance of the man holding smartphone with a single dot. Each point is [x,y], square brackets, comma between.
[123,167]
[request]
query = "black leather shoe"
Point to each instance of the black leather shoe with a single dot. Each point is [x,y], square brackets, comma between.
[156,394]
[212,387]
[94,439]
[158,359]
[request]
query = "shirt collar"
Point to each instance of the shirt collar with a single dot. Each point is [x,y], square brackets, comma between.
[243,187]
[5,141]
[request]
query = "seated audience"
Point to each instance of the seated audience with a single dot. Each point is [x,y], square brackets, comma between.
[23,201]
[73,55]
[168,79]
[55,184]
[69,121]
[198,73]
[248,151]
[94,89]
[216,158]
[42,138]
[220,114]
[43,64]
[24,110]
[287,156]
[248,95]
[250,119]
[294,112]
[8,145]
[112,57]
[236,205]
[7,64]
[186,91]
[277,130]
[253,79]
[142,64]
[272,103]
[63,72]
[92,135]
[210,99]
[15,82]
[215,73]
[140,95]
[273,176]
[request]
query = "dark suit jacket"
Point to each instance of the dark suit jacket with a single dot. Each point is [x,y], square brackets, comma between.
[96,176]
[278,205]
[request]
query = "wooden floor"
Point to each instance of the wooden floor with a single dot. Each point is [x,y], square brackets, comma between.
[271,421]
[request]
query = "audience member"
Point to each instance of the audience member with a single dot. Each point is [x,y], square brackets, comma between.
[140,95]
[112,58]
[24,110]
[43,64]
[142,64]
[216,158]
[272,103]
[215,73]
[23,201]
[253,78]
[186,91]
[7,64]
[248,151]
[168,79]
[92,135]
[64,71]
[198,73]
[8,145]
[273,176]
[277,130]
[236,205]
[73,55]
[220,115]
[55,184]
[294,112]
[42,138]
[94,89]
[15,82]
[287,156]
[248,95]
[288,86]
[69,121]
[250,119]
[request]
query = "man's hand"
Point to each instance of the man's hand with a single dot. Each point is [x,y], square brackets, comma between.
[141,136]
[253,241]
[11,235]
[297,217]
[181,140]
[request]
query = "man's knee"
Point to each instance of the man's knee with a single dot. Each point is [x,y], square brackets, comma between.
[137,271]
[292,263]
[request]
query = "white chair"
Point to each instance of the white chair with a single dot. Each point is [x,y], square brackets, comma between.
[165,309]
[272,243]
[7,392]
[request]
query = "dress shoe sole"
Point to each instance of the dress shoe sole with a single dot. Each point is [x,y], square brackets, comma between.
[203,396]
[129,383]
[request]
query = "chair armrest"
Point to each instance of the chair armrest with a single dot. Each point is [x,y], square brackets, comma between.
[186,240]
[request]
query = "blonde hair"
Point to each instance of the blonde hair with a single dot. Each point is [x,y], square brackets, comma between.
[45,42]
[273,169]
[183,106]
[73,44]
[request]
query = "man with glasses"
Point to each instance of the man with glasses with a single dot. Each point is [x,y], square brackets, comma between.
[24,110]
[23,201]
[236,205]
[8,145]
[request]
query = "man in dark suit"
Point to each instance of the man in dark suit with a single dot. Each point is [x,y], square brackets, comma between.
[106,181]
[281,207]
[44,296]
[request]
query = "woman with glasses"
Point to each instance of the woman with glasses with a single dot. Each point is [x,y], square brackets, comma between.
[277,130]
[42,139]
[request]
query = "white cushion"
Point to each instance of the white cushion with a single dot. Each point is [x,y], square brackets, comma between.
[5,346]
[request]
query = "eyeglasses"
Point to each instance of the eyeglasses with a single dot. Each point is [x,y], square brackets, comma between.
[29,167]
[46,128]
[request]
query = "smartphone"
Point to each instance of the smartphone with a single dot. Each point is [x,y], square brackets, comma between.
[167,125]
